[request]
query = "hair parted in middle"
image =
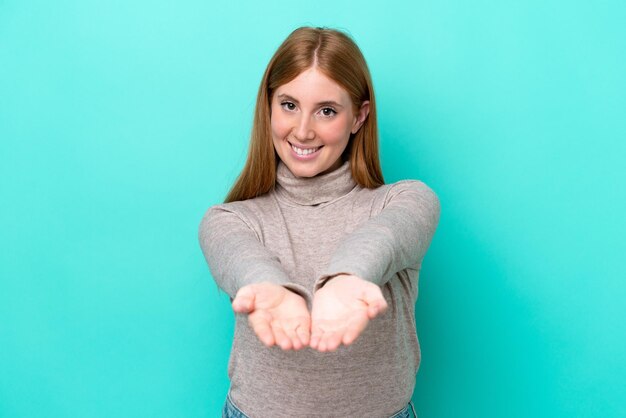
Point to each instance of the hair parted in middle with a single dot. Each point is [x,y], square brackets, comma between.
[338,57]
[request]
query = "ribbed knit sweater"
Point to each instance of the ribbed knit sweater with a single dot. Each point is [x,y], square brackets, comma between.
[300,234]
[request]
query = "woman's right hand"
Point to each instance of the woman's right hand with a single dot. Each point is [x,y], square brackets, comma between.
[277,315]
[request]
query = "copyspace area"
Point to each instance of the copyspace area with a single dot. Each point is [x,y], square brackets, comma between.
[122,122]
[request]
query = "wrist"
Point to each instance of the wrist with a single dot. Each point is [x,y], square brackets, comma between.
[335,278]
[298,290]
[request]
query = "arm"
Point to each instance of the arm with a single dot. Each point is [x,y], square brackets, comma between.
[253,277]
[367,258]
[236,256]
[396,239]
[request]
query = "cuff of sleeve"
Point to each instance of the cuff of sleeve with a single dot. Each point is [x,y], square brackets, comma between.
[299,290]
[321,281]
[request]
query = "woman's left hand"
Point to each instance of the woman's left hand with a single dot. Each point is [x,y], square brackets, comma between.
[342,309]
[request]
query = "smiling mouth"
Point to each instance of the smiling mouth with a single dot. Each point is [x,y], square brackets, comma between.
[304,151]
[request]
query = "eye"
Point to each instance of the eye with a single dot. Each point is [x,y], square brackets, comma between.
[288,106]
[328,111]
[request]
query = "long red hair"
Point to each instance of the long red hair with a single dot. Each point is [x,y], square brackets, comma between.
[337,56]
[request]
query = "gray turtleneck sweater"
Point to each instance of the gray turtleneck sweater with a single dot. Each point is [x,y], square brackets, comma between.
[303,232]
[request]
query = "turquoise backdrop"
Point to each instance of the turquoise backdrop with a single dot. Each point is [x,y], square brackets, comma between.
[122,121]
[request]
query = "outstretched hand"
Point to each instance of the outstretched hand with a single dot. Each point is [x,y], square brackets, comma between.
[277,315]
[342,310]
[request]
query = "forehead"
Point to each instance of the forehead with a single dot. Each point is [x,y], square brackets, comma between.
[312,85]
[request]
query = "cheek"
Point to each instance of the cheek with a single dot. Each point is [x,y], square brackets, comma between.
[279,126]
[336,133]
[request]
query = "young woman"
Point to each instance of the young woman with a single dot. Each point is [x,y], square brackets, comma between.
[320,258]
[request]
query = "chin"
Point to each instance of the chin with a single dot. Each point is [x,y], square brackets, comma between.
[299,171]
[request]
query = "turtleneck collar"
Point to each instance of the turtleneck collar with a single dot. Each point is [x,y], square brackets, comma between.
[311,191]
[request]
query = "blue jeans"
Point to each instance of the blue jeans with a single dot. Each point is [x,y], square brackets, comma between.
[231,411]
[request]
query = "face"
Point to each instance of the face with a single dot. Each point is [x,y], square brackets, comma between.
[312,119]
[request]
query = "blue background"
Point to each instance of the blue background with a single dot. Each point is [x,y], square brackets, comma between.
[121,122]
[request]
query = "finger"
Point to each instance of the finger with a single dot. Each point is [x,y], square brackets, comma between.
[383,305]
[321,345]
[323,334]
[379,308]
[260,323]
[304,332]
[279,336]
[290,331]
[244,300]
[372,311]
[326,342]
[316,336]
[375,301]
[333,340]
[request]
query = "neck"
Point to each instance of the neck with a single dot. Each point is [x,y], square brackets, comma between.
[311,191]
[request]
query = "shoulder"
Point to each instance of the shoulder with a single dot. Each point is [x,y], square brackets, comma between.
[408,192]
[416,187]
[246,212]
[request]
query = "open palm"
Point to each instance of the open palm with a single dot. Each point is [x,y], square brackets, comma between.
[342,310]
[277,315]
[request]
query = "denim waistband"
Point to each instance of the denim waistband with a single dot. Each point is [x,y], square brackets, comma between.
[231,411]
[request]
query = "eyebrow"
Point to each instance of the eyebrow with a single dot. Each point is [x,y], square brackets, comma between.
[324,103]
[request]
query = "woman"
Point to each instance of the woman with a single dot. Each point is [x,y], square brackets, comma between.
[320,257]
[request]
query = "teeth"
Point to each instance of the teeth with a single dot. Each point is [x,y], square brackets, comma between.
[301,151]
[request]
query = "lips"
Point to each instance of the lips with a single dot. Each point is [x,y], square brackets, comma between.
[304,151]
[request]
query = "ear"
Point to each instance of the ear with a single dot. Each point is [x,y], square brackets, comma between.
[361,116]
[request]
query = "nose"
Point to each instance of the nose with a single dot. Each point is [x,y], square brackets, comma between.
[303,130]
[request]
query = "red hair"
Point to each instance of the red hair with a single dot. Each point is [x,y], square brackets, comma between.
[337,56]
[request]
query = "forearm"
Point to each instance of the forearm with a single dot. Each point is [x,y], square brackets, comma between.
[235,255]
[394,240]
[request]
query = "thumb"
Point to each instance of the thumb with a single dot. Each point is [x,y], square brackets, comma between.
[244,300]
[373,297]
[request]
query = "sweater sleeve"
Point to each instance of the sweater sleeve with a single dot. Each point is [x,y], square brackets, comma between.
[235,254]
[395,239]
